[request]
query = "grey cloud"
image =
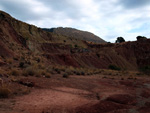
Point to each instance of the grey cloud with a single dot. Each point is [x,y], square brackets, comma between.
[59,10]
[134,3]
[58,5]
[70,9]
[20,10]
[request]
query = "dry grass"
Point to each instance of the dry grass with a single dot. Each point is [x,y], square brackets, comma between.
[15,72]
[9,60]
[4,92]
[36,70]
[48,75]
[29,71]
[22,91]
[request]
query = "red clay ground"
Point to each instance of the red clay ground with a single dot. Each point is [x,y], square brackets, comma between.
[80,94]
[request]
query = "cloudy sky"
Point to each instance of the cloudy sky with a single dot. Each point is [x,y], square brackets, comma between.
[108,19]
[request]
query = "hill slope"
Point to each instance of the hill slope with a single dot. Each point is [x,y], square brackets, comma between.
[21,42]
[78,34]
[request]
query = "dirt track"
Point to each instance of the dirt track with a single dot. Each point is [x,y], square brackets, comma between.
[60,98]
[82,94]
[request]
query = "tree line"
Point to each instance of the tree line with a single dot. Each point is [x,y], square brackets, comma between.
[121,39]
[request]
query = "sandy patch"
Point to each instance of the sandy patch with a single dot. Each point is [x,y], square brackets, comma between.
[63,97]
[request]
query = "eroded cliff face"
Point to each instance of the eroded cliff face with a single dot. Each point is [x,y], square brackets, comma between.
[21,39]
[130,55]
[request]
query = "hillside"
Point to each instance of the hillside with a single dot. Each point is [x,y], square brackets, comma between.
[78,34]
[19,39]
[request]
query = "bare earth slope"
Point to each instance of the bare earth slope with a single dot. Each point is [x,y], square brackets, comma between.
[21,39]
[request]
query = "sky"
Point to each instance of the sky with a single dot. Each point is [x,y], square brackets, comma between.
[107,19]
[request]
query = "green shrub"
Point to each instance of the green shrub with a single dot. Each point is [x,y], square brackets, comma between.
[38,60]
[82,73]
[140,38]
[15,58]
[78,73]
[15,72]
[69,71]
[21,64]
[65,75]
[57,70]
[29,71]
[76,46]
[114,67]
[145,69]
[120,40]
[4,92]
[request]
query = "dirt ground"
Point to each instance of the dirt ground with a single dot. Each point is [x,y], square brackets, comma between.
[80,94]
